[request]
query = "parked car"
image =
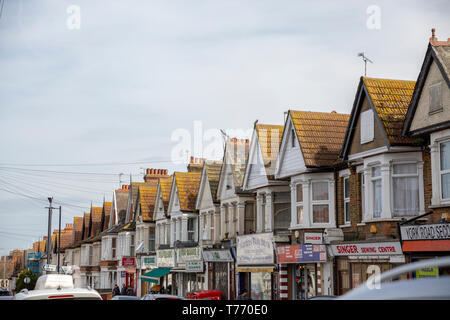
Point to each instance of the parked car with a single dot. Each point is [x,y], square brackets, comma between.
[411,289]
[205,295]
[58,294]
[323,298]
[5,294]
[125,298]
[161,297]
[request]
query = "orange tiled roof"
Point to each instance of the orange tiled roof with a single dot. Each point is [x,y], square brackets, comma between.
[86,218]
[391,99]
[320,135]
[107,214]
[187,185]
[269,137]
[147,198]
[165,184]
[96,216]
[213,171]
[77,229]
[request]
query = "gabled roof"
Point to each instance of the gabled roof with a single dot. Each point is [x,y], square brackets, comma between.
[96,220]
[320,136]
[187,185]
[210,175]
[389,100]
[86,225]
[106,215]
[121,200]
[165,185]
[77,229]
[146,199]
[439,52]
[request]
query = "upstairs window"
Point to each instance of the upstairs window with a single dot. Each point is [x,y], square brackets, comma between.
[405,182]
[435,93]
[444,172]
[190,231]
[367,126]
[376,187]
[299,203]
[346,200]
[320,203]
[292,138]
[114,240]
[151,241]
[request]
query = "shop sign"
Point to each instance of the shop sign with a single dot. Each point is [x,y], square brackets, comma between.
[313,238]
[148,262]
[302,253]
[188,254]
[34,255]
[217,256]
[432,272]
[123,274]
[194,266]
[165,258]
[254,249]
[128,262]
[366,249]
[49,267]
[437,231]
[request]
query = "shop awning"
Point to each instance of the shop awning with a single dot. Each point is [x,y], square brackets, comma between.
[154,275]
[255,269]
[426,245]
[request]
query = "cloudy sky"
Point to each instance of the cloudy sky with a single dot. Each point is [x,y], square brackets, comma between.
[78,106]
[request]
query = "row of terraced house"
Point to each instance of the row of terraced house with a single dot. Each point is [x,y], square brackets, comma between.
[309,207]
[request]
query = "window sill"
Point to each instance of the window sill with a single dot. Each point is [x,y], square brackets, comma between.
[440,205]
[397,219]
[345,225]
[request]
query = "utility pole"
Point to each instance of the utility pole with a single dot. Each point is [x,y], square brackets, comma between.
[59,236]
[50,199]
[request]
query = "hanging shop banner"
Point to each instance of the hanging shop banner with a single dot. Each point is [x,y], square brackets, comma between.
[148,262]
[194,266]
[431,272]
[188,254]
[34,255]
[217,256]
[313,238]
[302,253]
[438,231]
[366,249]
[128,262]
[254,249]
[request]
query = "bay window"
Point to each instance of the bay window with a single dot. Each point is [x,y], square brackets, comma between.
[190,230]
[320,205]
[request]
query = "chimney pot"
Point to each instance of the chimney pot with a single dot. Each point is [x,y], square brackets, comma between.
[148,170]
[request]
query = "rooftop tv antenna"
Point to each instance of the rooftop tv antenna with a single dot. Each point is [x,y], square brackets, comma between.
[365,59]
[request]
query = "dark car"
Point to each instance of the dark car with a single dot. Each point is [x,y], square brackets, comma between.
[5,294]
[125,298]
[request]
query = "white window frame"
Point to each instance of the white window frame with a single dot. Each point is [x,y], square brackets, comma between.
[346,199]
[299,203]
[372,190]
[394,175]
[386,162]
[319,202]
[442,172]
[367,121]
[306,179]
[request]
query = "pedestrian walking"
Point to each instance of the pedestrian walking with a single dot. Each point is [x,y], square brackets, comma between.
[116,291]
[243,295]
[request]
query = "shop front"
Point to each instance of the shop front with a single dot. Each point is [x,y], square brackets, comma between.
[165,262]
[305,264]
[256,266]
[423,242]
[218,272]
[129,265]
[357,261]
[189,270]
[145,264]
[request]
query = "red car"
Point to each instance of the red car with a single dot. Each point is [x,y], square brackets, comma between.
[205,295]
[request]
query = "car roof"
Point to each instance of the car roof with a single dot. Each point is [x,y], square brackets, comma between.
[45,293]
[419,289]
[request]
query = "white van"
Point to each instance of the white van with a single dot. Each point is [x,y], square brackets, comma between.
[56,287]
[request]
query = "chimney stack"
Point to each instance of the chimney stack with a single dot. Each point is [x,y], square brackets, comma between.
[155,174]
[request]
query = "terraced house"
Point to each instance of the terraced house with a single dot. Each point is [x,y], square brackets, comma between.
[428,121]
[307,158]
[273,214]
